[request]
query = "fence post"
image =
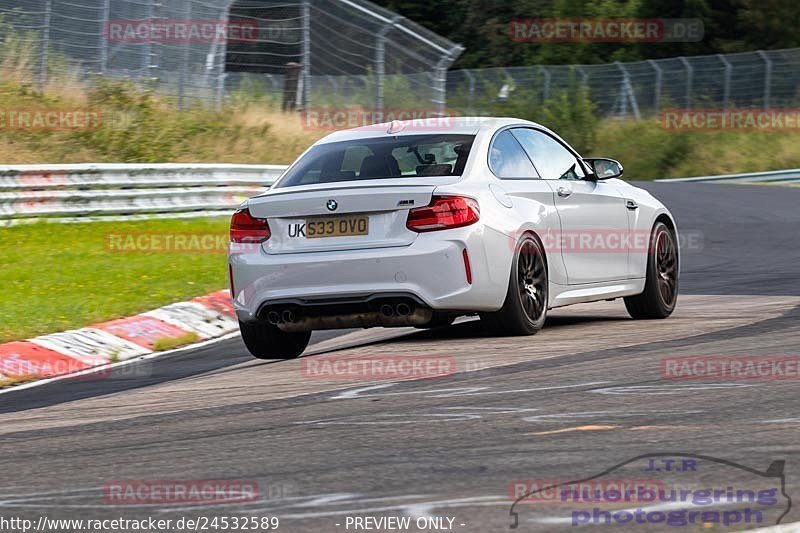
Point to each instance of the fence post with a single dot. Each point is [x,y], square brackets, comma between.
[222,52]
[439,80]
[380,62]
[471,79]
[657,88]
[306,72]
[334,85]
[48,8]
[726,91]
[104,38]
[441,76]
[767,77]
[584,76]
[184,60]
[689,79]
[148,45]
[546,92]
[626,94]
[622,98]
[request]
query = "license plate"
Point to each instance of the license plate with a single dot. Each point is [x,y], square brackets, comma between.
[336,226]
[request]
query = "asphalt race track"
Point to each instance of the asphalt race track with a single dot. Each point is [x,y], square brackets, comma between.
[576,401]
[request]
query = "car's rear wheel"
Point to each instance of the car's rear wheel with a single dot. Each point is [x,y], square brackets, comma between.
[525,308]
[661,286]
[266,341]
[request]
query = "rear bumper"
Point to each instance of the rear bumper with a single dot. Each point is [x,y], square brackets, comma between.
[431,269]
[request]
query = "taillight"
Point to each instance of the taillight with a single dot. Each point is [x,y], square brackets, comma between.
[247,229]
[444,212]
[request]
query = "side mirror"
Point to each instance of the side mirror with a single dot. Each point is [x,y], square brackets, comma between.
[604,169]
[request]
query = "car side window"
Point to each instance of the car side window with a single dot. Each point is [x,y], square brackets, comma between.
[507,159]
[552,159]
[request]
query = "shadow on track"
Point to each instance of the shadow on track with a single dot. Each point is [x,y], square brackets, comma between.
[169,367]
[218,356]
[474,329]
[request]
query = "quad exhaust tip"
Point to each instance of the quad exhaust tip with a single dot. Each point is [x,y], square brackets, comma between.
[389,313]
[273,318]
[287,316]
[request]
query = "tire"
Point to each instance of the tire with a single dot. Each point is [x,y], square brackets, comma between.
[265,341]
[525,308]
[661,285]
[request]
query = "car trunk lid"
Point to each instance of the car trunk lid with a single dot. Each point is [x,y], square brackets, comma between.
[339,218]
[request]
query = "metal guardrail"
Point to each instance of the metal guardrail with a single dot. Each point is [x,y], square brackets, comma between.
[777,176]
[85,192]
[97,190]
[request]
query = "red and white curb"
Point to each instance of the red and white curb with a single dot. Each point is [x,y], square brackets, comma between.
[48,356]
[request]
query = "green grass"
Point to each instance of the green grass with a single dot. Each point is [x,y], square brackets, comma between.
[137,126]
[649,152]
[10,382]
[168,343]
[55,277]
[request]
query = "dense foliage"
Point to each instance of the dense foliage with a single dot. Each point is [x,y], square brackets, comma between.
[482,26]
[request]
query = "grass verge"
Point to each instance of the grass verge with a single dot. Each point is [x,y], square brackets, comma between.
[168,343]
[649,152]
[11,382]
[55,277]
[138,126]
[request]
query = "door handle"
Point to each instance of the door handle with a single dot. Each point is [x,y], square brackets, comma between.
[630,204]
[563,192]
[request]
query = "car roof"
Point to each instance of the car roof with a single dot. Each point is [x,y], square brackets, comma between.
[425,126]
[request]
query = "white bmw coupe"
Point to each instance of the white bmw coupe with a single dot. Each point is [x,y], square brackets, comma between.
[409,224]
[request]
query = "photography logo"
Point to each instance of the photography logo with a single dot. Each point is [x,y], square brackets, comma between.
[657,490]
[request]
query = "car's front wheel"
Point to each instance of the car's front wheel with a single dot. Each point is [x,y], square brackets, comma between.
[661,286]
[525,308]
[266,341]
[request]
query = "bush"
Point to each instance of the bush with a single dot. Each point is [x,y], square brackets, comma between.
[645,149]
[135,126]
[569,112]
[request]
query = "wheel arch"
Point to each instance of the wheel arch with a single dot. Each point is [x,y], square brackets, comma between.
[668,221]
[532,232]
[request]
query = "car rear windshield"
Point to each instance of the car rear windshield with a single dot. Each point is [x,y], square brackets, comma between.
[404,156]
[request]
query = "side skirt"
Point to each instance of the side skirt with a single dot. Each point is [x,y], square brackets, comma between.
[561,295]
